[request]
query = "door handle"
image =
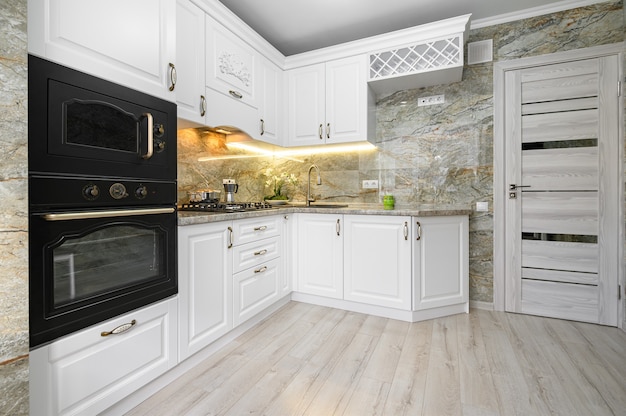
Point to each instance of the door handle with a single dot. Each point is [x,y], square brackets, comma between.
[513,187]
[150,150]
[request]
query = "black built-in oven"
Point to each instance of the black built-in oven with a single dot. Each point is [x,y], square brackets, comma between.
[102,200]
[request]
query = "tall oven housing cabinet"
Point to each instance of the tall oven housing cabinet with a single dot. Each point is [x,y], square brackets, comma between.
[102,239]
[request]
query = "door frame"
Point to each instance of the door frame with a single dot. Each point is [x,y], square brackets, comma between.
[500,193]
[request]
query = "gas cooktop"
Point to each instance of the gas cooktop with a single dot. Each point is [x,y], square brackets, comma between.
[224,207]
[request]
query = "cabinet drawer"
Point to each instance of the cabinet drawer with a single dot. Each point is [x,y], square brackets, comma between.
[86,372]
[252,254]
[255,289]
[254,229]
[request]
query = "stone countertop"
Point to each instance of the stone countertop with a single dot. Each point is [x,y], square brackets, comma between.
[425,210]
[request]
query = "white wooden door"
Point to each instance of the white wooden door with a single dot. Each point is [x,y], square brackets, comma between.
[562,167]
[307,105]
[377,266]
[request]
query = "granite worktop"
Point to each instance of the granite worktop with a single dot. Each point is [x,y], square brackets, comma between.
[426,210]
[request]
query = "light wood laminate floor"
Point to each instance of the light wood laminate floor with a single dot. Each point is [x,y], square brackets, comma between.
[312,360]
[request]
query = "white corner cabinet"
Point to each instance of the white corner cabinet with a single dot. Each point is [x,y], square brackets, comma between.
[441,262]
[328,103]
[86,372]
[129,43]
[229,271]
[396,266]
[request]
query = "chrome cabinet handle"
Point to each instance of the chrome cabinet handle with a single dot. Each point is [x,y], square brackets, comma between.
[261,270]
[286,217]
[262,127]
[328,131]
[119,329]
[230,237]
[173,76]
[261,228]
[235,94]
[150,149]
[338,227]
[406,230]
[319,132]
[202,105]
[419,230]
[260,252]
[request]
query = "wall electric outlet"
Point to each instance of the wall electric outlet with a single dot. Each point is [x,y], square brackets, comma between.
[431,100]
[370,184]
[482,206]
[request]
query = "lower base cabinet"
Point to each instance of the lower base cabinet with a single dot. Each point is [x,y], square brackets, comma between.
[205,285]
[377,260]
[84,373]
[440,261]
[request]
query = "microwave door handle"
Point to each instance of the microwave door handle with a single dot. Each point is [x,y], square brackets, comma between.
[150,151]
[84,215]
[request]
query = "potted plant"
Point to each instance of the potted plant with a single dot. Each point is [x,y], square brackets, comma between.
[277,185]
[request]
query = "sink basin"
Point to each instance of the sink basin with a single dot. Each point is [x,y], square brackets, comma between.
[324,206]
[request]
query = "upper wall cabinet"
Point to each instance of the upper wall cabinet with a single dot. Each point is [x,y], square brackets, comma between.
[190,41]
[270,98]
[329,102]
[421,62]
[130,43]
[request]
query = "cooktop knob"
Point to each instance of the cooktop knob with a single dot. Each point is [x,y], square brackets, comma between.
[118,191]
[141,192]
[91,192]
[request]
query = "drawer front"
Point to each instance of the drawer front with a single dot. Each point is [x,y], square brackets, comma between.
[254,229]
[86,372]
[253,254]
[255,289]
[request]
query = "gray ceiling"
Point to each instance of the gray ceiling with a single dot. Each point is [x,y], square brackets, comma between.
[295,26]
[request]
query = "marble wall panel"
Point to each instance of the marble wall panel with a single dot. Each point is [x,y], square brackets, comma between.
[440,153]
[13,210]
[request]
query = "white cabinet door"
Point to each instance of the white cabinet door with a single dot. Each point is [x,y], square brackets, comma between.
[131,43]
[271,89]
[377,252]
[346,100]
[307,105]
[190,38]
[205,285]
[288,254]
[441,261]
[85,373]
[328,103]
[320,255]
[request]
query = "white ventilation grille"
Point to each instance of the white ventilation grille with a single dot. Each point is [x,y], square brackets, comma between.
[426,56]
[479,52]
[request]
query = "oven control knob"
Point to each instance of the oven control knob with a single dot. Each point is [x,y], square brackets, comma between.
[118,191]
[159,145]
[91,192]
[158,130]
[141,192]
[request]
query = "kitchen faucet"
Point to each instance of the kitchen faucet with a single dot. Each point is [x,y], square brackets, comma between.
[308,189]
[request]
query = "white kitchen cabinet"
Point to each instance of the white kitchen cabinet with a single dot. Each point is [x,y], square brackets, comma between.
[288,254]
[129,43]
[257,247]
[270,103]
[328,103]
[205,286]
[231,80]
[377,260]
[86,372]
[320,255]
[190,62]
[440,261]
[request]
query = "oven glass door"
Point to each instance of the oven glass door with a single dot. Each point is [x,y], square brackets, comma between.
[90,269]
